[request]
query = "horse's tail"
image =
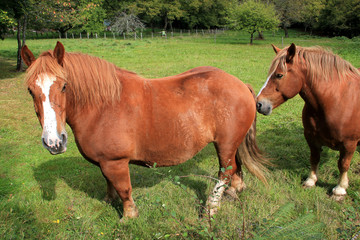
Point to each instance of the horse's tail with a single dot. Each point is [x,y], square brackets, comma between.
[250,155]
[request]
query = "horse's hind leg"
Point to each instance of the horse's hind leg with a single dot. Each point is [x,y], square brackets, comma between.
[237,181]
[228,168]
[346,153]
[117,173]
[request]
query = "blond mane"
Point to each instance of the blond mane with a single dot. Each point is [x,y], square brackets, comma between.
[320,64]
[92,80]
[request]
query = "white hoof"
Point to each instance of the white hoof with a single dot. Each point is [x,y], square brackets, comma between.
[309,183]
[339,191]
[212,211]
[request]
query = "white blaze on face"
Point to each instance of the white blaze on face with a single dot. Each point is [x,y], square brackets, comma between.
[267,80]
[50,125]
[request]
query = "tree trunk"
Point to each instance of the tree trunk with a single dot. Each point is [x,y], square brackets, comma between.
[152,27]
[286,31]
[251,38]
[166,23]
[261,35]
[19,62]
[171,28]
[62,33]
[24,30]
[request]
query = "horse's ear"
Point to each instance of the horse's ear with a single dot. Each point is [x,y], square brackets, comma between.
[290,53]
[27,56]
[276,49]
[59,52]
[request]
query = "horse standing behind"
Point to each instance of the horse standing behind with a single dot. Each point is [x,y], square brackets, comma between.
[330,87]
[119,118]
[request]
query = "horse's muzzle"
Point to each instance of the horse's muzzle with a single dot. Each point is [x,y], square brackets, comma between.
[264,107]
[55,145]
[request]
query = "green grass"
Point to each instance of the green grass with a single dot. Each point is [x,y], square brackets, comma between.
[59,197]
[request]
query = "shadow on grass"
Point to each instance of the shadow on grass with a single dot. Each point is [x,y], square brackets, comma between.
[83,176]
[285,145]
[8,68]
[288,150]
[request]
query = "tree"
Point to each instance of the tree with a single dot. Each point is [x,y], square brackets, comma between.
[289,11]
[19,10]
[340,17]
[147,10]
[253,16]
[311,13]
[169,11]
[60,15]
[92,16]
[6,23]
[63,15]
[126,23]
[205,13]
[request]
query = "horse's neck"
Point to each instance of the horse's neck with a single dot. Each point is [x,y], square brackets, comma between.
[319,94]
[310,96]
[76,115]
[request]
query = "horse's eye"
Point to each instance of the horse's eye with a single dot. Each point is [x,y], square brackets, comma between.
[64,88]
[31,93]
[278,75]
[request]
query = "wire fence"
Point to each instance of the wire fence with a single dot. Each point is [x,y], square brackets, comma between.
[139,35]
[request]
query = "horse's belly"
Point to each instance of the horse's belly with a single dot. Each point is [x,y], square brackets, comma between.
[176,140]
[171,157]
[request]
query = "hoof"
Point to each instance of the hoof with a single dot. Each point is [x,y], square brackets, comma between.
[338,198]
[231,192]
[309,183]
[339,193]
[212,211]
[131,212]
[240,187]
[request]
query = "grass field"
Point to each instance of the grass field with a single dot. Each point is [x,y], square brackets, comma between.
[60,197]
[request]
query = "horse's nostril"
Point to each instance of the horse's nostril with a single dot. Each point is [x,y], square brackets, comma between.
[258,105]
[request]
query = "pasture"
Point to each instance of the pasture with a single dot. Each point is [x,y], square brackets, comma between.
[61,197]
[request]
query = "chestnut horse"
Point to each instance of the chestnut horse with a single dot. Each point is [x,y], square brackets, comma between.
[330,87]
[118,118]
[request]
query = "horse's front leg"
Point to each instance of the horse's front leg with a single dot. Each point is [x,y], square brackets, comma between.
[346,153]
[117,173]
[314,144]
[314,162]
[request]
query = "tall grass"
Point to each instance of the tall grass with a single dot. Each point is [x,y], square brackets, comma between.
[59,197]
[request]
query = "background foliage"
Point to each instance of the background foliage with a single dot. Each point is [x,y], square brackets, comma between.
[324,17]
[333,17]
